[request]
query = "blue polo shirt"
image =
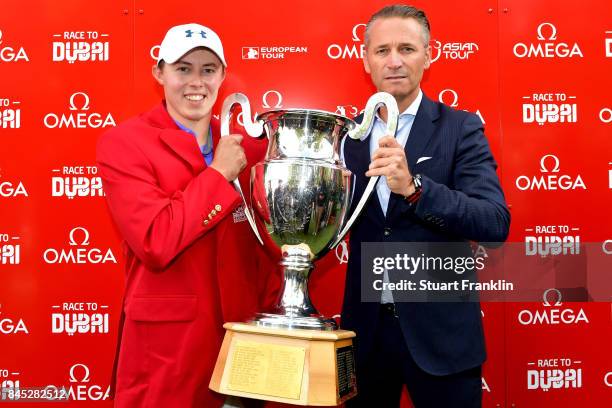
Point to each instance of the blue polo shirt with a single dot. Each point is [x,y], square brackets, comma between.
[208,157]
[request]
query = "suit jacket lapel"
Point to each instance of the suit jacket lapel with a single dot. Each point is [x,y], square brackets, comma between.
[359,164]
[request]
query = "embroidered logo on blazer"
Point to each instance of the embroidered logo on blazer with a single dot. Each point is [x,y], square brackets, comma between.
[239,215]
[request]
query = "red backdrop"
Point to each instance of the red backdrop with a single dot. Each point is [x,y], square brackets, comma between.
[537,73]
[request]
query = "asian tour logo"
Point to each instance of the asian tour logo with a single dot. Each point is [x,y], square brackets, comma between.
[554,374]
[80,46]
[10,114]
[547,45]
[11,188]
[79,318]
[354,50]
[10,53]
[544,240]
[10,325]
[553,312]
[79,251]
[451,98]
[452,50]
[550,177]
[79,115]
[10,249]
[76,181]
[550,108]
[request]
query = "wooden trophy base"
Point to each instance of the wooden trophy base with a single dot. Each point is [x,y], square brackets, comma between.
[302,367]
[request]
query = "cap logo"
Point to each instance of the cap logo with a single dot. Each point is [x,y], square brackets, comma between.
[190,33]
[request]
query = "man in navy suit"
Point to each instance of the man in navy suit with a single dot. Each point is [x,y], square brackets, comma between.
[437,184]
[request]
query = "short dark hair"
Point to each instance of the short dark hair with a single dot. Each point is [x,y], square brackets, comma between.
[402,11]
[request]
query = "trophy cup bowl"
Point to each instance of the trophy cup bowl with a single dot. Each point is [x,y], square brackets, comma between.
[300,195]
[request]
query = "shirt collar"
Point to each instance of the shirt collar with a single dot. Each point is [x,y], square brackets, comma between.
[410,110]
[414,106]
[404,116]
[183,127]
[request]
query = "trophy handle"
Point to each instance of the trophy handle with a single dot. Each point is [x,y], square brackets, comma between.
[253,129]
[358,133]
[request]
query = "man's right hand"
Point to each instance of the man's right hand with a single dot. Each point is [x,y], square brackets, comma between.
[229,158]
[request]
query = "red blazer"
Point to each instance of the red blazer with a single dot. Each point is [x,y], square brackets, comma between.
[192,262]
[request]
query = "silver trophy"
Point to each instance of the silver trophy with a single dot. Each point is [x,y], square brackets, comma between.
[301,193]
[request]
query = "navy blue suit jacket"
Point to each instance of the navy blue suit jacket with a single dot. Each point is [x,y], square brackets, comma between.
[461,201]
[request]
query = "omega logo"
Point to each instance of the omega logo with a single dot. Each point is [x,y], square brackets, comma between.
[555,159]
[545,297]
[278,96]
[455,103]
[553,32]
[85,370]
[85,98]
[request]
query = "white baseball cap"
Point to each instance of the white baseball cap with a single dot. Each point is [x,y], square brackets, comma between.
[181,39]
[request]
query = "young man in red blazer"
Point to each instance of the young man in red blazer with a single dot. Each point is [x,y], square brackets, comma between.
[192,262]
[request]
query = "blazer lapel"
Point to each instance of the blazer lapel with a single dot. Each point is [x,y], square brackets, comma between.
[421,131]
[359,163]
[182,144]
[185,146]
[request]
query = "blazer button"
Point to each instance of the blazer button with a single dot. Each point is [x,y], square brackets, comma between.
[218,207]
[205,222]
[387,232]
[213,212]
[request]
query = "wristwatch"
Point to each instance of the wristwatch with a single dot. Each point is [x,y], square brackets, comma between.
[416,194]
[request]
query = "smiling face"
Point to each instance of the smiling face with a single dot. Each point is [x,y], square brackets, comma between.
[396,56]
[191,86]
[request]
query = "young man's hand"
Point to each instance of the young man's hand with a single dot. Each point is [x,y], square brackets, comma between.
[229,158]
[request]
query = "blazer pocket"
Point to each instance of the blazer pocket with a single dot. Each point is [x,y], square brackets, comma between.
[172,308]
[425,167]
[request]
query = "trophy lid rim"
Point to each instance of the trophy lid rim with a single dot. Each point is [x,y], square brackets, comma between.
[350,123]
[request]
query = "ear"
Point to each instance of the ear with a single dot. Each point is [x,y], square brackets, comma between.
[427,57]
[157,74]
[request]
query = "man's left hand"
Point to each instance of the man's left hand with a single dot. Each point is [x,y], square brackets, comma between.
[389,160]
